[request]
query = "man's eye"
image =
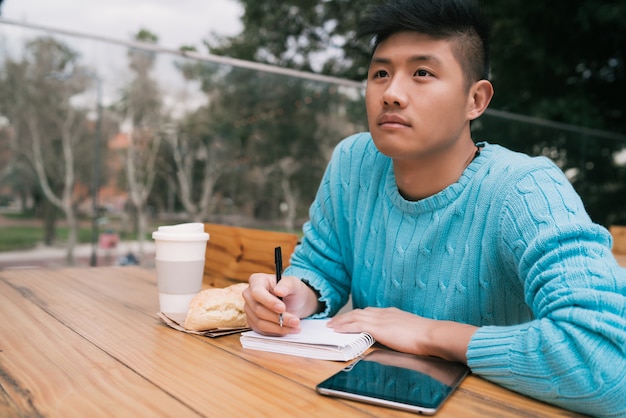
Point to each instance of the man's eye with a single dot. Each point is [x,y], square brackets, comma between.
[422,73]
[380,74]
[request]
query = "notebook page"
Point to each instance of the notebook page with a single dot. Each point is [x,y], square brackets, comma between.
[314,331]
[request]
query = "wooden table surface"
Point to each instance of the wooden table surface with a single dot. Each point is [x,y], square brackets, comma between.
[85,342]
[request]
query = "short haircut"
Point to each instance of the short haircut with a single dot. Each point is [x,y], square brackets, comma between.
[462,20]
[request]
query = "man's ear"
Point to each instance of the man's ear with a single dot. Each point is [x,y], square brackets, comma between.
[479,98]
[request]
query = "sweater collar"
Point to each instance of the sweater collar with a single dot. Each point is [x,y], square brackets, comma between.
[444,197]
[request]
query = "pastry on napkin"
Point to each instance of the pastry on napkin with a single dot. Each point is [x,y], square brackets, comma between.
[217,308]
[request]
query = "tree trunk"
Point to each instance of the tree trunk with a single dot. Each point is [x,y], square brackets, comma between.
[142,227]
[49,213]
[64,202]
[291,202]
[72,232]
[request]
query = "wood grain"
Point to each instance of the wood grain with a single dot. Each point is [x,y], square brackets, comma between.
[86,342]
[47,369]
[177,364]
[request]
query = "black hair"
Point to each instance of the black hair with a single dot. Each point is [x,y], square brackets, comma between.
[440,19]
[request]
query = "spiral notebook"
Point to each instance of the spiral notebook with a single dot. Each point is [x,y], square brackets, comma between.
[315,340]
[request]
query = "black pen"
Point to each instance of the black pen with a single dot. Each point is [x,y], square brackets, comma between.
[278,261]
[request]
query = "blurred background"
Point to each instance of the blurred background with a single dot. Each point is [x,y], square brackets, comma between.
[119,116]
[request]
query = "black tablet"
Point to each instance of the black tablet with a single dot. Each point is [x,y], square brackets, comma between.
[397,380]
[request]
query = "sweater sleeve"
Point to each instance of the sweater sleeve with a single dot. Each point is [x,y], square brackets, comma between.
[322,259]
[573,353]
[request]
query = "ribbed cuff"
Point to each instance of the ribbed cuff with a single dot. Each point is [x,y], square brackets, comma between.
[490,350]
[317,284]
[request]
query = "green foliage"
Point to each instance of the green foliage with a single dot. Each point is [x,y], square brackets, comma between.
[144,35]
[306,35]
[562,61]
[260,139]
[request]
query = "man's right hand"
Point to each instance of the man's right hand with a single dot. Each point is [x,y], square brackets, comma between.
[265,301]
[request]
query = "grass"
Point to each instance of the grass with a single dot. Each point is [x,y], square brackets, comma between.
[18,216]
[19,237]
[15,238]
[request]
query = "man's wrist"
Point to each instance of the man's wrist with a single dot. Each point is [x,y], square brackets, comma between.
[314,304]
[449,340]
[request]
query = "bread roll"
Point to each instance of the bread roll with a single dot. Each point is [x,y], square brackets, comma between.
[217,308]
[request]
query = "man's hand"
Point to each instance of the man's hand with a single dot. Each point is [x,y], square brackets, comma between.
[409,333]
[263,304]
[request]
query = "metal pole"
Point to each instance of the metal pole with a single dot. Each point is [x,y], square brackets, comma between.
[96,173]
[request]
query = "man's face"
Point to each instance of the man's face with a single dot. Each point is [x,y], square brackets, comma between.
[416,96]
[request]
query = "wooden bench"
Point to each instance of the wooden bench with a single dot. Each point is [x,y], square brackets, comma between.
[234,253]
[619,239]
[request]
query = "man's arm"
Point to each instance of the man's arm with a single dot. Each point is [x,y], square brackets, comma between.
[409,333]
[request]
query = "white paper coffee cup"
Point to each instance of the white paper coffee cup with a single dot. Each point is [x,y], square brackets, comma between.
[180,253]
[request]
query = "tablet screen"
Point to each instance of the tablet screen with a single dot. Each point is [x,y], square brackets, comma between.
[398,380]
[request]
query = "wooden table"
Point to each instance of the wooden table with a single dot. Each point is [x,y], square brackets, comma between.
[85,342]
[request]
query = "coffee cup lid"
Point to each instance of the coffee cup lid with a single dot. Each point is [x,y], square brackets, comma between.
[192,231]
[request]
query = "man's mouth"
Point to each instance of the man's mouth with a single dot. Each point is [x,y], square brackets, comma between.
[391,120]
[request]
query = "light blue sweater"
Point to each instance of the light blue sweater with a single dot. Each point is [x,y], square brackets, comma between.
[508,247]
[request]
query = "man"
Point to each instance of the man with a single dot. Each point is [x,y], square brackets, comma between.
[467,252]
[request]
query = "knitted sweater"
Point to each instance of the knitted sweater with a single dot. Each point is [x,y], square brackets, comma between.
[508,247]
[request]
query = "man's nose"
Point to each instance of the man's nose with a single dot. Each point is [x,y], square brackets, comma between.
[394,94]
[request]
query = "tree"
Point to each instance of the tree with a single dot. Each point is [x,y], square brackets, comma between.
[317,36]
[141,112]
[565,62]
[561,61]
[549,60]
[48,129]
[274,122]
[16,174]
[201,153]
[257,133]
